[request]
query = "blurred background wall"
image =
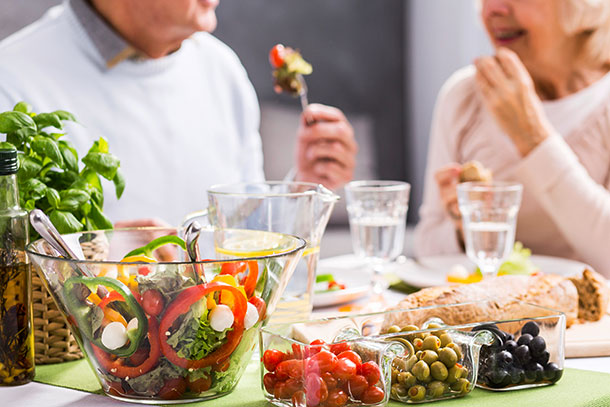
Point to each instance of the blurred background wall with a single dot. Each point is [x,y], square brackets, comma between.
[382,62]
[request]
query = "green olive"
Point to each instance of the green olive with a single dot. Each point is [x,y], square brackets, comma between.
[395,373]
[418,343]
[461,386]
[448,357]
[410,363]
[421,370]
[432,342]
[417,393]
[406,379]
[418,354]
[411,328]
[429,356]
[393,329]
[436,389]
[445,339]
[456,348]
[434,325]
[439,371]
[454,374]
[398,391]
[464,371]
[400,364]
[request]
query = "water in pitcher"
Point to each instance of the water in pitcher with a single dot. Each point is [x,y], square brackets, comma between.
[378,238]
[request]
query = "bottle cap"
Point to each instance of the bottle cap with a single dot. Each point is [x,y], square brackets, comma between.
[9,164]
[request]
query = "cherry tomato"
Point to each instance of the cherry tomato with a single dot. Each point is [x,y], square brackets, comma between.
[272,357]
[353,356]
[345,369]
[322,362]
[297,352]
[357,385]
[315,390]
[371,371]
[372,395]
[289,368]
[153,302]
[279,392]
[336,398]
[143,270]
[260,305]
[173,389]
[292,386]
[317,342]
[314,347]
[276,56]
[200,385]
[298,399]
[337,348]
[269,381]
[330,380]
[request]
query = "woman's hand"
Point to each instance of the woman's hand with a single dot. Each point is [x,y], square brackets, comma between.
[326,148]
[447,178]
[509,94]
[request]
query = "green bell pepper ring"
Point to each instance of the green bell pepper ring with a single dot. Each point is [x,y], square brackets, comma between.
[154,244]
[80,310]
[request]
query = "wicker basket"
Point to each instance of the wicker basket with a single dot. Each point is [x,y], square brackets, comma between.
[53,340]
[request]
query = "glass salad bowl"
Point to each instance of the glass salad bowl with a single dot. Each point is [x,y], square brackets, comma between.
[167,331]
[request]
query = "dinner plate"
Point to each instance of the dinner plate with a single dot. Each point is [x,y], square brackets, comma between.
[351,272]
[432,271]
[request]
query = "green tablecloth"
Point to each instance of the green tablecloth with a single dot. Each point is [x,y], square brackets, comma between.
[577,388]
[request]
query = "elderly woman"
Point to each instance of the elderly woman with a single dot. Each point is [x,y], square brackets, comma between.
[538,112]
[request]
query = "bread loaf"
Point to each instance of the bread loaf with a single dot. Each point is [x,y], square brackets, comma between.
[475,171]
[593,295]
[549,290]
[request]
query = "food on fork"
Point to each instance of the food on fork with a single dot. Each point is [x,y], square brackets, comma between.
[474,171]
[288,66]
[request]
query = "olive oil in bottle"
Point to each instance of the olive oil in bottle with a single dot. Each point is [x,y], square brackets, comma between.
[16,333]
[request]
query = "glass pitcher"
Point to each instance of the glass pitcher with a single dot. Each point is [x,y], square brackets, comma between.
[296,208]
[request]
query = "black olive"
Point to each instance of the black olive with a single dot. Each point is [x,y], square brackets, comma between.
[504,358]
[522,353]
[543,357]
[510,346]
[537,345]
[531,328]
[525,339]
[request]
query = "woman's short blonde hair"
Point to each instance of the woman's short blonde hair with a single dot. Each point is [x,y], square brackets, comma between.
[592,18]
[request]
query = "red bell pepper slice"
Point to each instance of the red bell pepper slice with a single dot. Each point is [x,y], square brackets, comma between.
[117,368]
[181,305]
[236,267]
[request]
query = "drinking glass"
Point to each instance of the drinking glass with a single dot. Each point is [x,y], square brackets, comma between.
[489,215]
[377,212]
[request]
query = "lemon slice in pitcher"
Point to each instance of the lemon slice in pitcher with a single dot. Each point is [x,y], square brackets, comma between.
[255,244]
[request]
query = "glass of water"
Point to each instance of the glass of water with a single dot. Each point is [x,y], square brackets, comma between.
[489,217]
[377,213]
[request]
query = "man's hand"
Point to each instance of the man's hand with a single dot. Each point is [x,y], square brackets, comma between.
[164,253]
[509,94]
[326,148]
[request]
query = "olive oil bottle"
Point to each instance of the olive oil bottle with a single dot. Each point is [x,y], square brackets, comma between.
[16,333]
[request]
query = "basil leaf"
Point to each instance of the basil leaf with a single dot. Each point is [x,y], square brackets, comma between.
[7,146]
[94,186]
[12,121]
[47,147]
[99,146]
[65,222]
[29,205]
[63,115]
[72,199]
[101,220]
[28,167]
[44,120]
[69,154]
[119,183]
[53,197]
[23,107]
[34,188]
[105,164]
[19,137]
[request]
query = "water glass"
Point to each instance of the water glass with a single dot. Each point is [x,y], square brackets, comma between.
[489,216]
[377,212]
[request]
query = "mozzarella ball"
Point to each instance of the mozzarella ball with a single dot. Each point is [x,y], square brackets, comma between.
[251,316]
[221,318]
[114,335]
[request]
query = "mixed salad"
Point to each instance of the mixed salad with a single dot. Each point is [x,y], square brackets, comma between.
[327,282]
[288,68]
[159,332]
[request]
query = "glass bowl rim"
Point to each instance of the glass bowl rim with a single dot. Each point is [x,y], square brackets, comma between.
[315,189]
[495,186]
[377,185]
[268,329]
[299,245]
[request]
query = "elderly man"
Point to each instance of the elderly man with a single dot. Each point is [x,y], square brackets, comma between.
[174,102]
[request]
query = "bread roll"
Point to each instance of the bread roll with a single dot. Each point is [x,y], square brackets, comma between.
[593,295]
[475,171]
[549,290]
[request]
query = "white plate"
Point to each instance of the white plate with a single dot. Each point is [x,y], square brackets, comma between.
[352,273]
[432,271]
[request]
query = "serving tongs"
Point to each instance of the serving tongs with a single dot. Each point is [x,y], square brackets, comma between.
[42,224]
[191,237]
